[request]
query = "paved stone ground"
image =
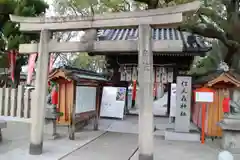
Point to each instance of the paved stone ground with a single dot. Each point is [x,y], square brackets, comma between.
[130,125]
[111,145]
[122,146]
[159,107]
[16,142]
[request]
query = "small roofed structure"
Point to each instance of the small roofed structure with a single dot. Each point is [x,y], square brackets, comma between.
[171,48]
[173,53]
[226,85]
[218,79]
[79,95]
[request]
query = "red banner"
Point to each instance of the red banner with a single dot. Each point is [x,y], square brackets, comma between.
[226,105]
[51,61]
[12,63]
[54,95]
[31,64]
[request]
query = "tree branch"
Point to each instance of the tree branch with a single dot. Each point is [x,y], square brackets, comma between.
[215,17]
[208,30]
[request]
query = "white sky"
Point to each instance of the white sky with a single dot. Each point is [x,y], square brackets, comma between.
[49,13]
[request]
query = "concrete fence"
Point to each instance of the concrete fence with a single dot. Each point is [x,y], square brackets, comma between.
[15,104]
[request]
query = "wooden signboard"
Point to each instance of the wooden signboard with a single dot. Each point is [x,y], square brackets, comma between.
[204,96]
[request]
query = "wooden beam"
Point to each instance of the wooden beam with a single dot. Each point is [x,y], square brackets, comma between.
[104,47]
[167,19]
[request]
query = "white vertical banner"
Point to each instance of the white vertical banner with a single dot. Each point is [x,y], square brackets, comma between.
[122,74]
[134,73]
[158,75]
[170,75]
[129,74]
[161,69]
[173,100]
[164,76]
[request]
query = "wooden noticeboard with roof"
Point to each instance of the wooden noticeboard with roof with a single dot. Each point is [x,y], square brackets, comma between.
[68,79]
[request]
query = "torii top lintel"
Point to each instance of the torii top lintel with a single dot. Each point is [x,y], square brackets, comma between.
[162,16]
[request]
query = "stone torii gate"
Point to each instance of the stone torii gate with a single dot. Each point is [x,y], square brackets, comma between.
[145,46]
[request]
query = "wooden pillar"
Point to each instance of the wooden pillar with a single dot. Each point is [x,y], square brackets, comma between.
[98,103]
[126,110]
[145,63]
[100,98]
[169,98]
[39,103]
[72,113]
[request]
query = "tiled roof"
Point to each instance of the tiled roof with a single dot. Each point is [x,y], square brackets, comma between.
[77,73]
[191,43]
[202,79]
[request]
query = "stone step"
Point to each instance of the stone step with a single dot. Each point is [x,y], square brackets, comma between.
[171,135]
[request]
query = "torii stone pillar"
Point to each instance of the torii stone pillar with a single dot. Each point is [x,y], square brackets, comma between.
[39,98]
[145,63]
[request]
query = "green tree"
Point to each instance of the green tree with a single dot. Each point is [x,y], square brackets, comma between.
[210,62]
[216,19]
[91,7]
[219,20]
[93,63]
[11,37]
[211,20]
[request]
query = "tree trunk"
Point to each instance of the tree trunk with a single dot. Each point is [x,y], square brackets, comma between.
[17,74]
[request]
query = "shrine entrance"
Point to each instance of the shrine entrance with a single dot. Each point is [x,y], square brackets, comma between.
[173,59]
[153,45]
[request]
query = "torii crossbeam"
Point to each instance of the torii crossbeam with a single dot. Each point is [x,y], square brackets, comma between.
[162,16]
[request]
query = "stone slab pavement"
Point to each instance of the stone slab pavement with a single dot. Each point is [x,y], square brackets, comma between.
[16,142]
[124,146]
[173,150]
[110,146]
[107,144]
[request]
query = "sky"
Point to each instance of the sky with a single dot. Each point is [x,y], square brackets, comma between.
[49,13]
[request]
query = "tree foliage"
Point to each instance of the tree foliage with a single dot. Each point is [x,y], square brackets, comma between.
[91,7]
[93,63]
[11,37]
[219,20]
[216,19]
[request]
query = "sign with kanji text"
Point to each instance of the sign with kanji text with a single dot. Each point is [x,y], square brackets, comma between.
[183,103]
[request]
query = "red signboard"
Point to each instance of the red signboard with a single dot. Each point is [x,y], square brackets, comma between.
[204,96]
